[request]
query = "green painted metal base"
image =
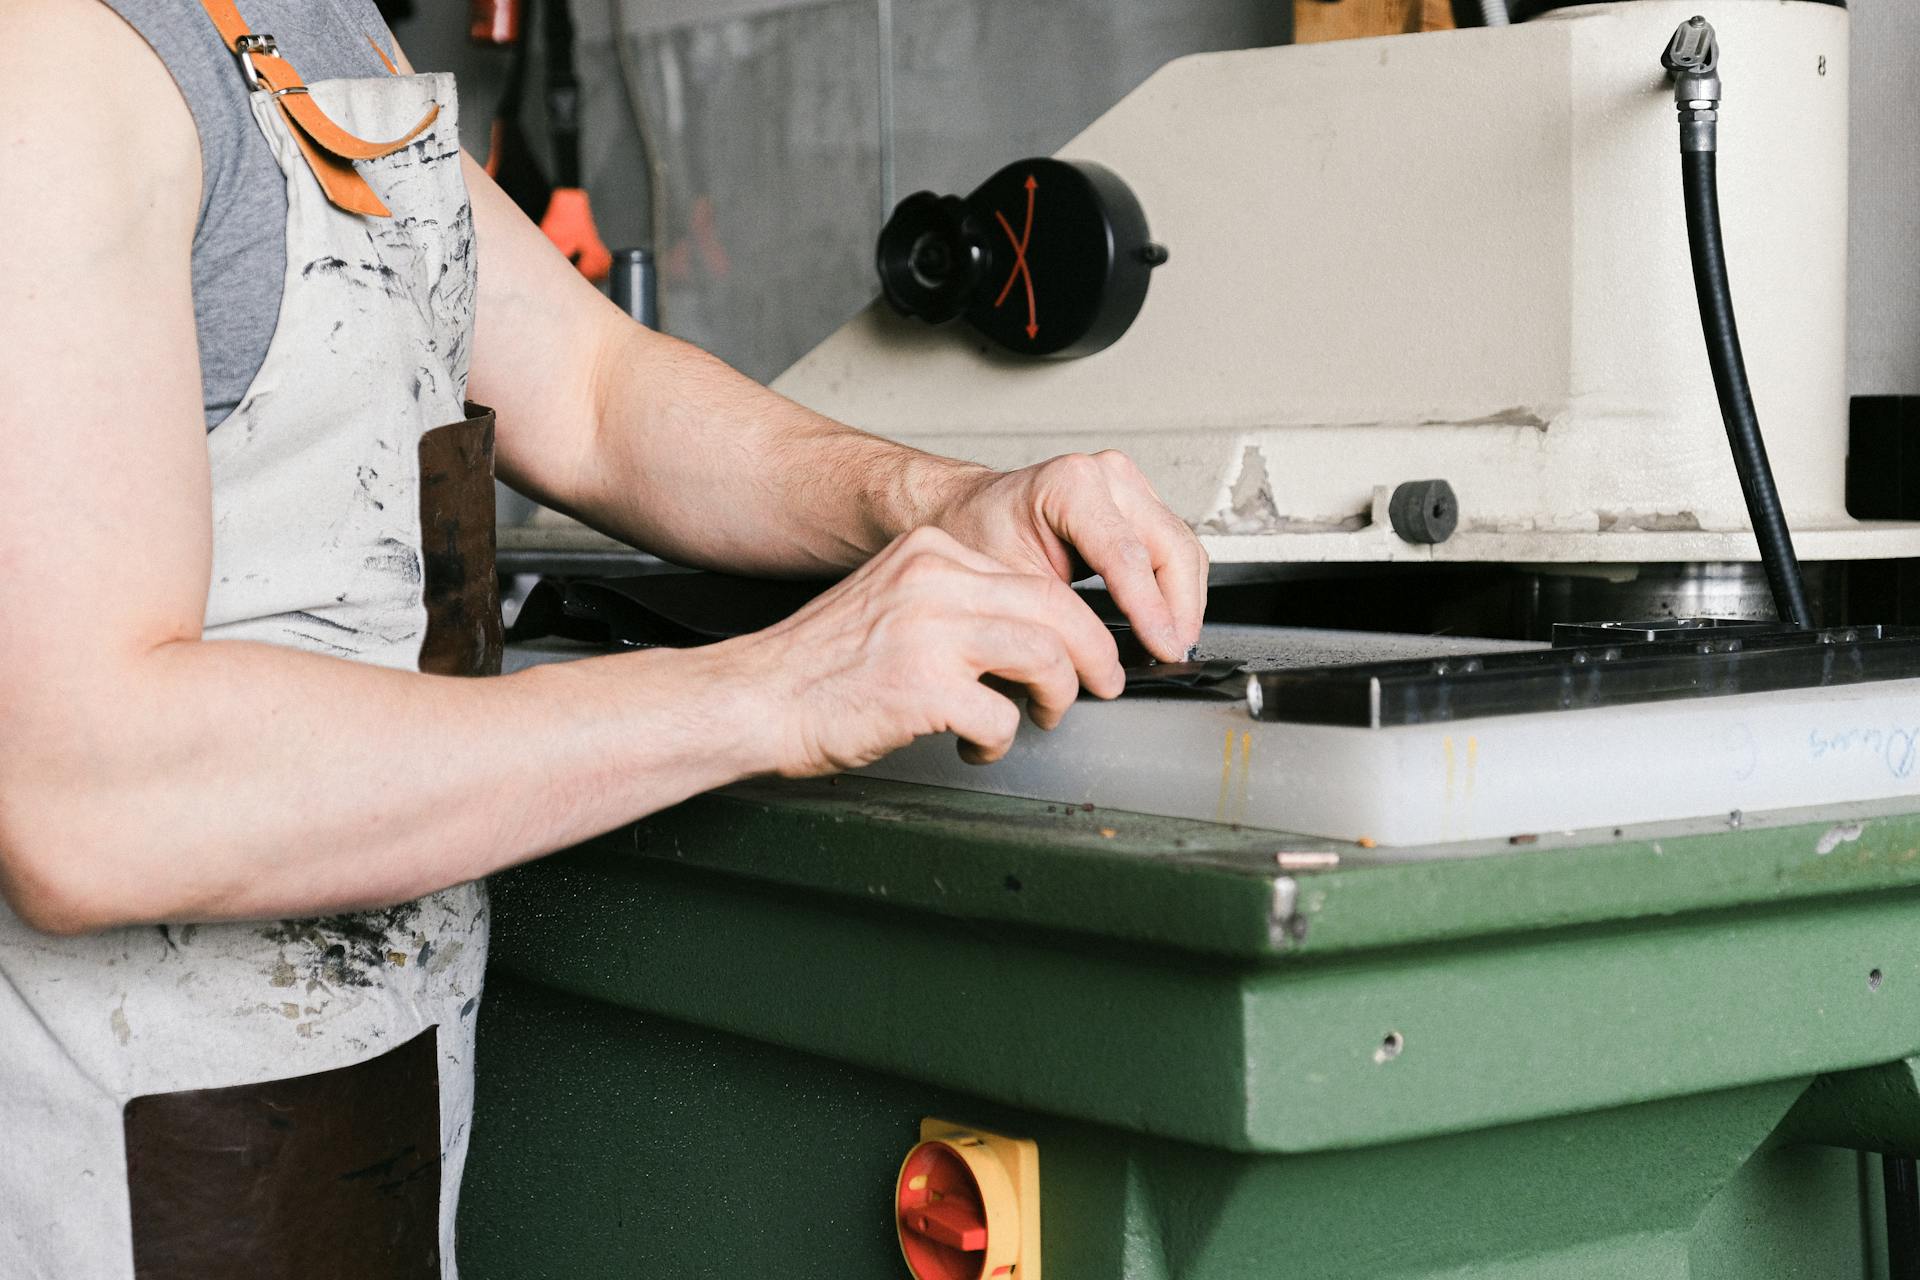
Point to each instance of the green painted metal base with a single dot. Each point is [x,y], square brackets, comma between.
[616,1144]
[708,1041]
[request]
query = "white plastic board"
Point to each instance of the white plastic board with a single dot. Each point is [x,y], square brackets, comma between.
[1427,784]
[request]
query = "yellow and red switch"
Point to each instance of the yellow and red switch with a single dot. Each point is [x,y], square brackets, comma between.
[967,1205]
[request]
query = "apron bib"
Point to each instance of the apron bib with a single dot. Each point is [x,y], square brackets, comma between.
[291,1098]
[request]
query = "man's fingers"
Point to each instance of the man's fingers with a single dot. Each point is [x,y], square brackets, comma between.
[1081,509]
[1182,575]
[1029,655]
[1051,605]
[984,721]
[1180,563]
[954,579]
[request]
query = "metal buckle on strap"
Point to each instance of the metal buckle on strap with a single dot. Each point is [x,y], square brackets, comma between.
[248,45]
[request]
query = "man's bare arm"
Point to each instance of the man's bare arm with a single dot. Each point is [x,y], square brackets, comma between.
[634,431]
[148,774]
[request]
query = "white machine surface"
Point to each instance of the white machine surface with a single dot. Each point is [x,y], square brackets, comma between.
[1456,255]
[1421,786]
[1496,777]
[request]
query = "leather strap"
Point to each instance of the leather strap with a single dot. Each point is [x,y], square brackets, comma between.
[280,77]
[381,54]
[338,179]
[329,149]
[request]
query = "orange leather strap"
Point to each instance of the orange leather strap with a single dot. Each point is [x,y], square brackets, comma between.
[385,61]
[338,179]
[289,91]
[329,149]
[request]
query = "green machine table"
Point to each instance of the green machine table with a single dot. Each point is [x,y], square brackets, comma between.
[709,1039]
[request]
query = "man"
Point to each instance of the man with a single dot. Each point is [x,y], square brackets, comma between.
[240,529]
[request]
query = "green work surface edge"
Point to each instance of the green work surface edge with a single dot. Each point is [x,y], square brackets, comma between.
[1222,890]
[1453,995]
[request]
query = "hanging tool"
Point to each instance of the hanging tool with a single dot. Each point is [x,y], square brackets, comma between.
[568,219]
[511,161]
[494,22]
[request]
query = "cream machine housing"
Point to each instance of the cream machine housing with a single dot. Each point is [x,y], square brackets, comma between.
[1459,256]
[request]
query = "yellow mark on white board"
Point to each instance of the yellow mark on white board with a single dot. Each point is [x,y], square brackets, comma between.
[1226,777]
[1246,768]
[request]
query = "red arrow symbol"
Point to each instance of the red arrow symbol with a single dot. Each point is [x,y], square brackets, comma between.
[1020,269]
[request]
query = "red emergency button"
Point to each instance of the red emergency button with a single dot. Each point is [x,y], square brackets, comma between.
[967,1204]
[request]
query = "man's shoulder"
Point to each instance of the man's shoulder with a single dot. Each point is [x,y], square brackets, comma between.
[80,88]
[83,35]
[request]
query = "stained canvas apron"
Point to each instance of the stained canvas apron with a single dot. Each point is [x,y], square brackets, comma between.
[292,1098]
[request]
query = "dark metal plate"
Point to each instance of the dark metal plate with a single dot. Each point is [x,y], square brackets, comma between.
[1376,695]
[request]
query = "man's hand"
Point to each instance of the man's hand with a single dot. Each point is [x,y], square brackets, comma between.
[662,446]
[897,651]
[1100,511]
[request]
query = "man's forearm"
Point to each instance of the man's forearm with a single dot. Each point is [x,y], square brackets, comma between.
[803,494]
[225,780]
[657,443]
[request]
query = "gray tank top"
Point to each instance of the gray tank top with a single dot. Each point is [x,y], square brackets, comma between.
[240,240]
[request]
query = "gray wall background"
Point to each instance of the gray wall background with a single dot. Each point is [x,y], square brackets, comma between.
[1883,265]
[775,127]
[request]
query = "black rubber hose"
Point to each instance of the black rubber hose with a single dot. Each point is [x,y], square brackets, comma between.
[1736,396]
[1903,1217]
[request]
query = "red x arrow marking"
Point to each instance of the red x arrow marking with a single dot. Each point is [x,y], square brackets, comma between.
[1020,269]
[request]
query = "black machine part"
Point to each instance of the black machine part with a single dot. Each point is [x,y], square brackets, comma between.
[686,610]
[1692,61]
[1567,635]
[1046,258]
[1901,1187]
[932,256]
[1424,511]
[1719,663]
[563,93]
[1481,13]
[1522,10]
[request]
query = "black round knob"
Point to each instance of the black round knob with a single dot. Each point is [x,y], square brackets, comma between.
[1424,511]
[1045,258]
[930,259]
